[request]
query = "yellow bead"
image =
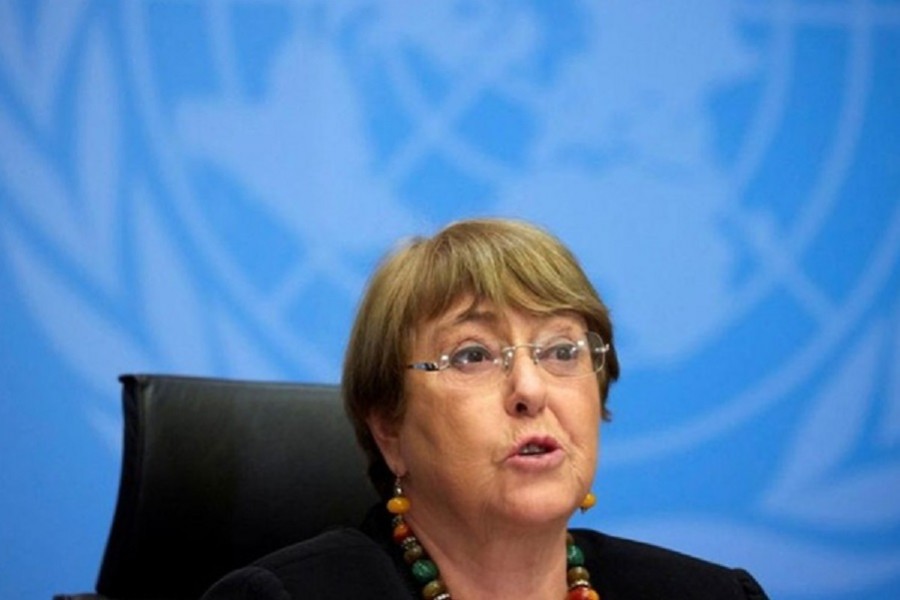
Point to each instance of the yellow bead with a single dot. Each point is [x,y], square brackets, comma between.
[413,553]
[577,574]
[433,589]
[398,505]
[589,501]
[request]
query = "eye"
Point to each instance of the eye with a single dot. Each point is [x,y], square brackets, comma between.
[561,351]
[471,358]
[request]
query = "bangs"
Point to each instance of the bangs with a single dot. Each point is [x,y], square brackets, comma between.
[536,278]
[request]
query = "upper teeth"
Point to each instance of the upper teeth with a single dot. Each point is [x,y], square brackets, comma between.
[532,449]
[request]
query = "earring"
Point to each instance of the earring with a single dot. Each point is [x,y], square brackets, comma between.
[423,569]
[589,501]
[398,504]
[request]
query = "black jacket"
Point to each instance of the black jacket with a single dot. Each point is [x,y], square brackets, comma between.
[366,564]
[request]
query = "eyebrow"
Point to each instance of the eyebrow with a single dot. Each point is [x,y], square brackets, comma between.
[476,314]
[472,314]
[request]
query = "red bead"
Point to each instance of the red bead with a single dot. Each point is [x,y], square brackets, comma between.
[582,593]
[401,532]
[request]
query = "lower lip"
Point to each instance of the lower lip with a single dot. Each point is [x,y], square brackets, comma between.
[536,462]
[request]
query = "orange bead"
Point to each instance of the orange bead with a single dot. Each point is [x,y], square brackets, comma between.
[398,505]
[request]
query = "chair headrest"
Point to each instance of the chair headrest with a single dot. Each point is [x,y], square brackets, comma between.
[216,473]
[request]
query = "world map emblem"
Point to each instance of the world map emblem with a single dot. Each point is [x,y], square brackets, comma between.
[223,178]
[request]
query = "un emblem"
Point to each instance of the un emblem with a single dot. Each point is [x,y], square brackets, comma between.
[204,188]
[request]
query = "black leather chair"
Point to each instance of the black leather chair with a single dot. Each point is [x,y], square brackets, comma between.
[216,473]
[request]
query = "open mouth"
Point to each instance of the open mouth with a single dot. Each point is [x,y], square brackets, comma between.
[537,447]
[532,449]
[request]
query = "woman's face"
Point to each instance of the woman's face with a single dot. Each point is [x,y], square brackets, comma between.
[520,448]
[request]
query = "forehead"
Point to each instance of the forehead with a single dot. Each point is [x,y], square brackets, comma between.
[468,313]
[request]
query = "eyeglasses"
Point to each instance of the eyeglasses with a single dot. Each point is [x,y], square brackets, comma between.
[562,356]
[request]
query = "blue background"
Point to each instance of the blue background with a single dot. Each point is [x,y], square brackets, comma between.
[203,188]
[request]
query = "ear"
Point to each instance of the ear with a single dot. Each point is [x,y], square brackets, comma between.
[387,435]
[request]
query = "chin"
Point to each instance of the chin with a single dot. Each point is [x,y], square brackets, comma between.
[541,508]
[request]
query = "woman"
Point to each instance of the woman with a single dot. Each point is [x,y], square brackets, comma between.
[476,378]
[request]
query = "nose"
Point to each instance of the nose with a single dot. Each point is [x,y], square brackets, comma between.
[526,383]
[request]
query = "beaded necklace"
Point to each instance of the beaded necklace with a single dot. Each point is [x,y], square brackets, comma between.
[426,573]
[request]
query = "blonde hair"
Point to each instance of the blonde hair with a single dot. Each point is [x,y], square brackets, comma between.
[508,263]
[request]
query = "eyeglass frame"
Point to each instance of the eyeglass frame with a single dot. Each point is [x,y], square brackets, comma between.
[507,354]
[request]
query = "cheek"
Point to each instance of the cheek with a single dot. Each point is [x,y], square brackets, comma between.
[430,426]
[454,435]
[583,420]
[586,438]
[446,459]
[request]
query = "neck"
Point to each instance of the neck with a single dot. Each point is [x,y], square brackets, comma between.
[489,559]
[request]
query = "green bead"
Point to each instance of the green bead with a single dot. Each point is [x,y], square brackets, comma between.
[574,556]
[424,570]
